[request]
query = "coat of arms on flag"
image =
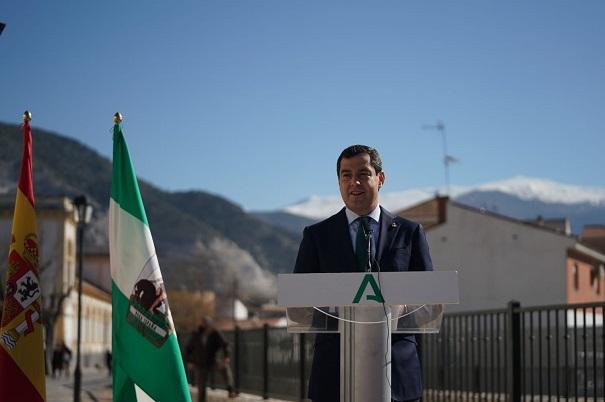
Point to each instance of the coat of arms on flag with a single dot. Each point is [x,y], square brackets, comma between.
[22,294]
[148,310]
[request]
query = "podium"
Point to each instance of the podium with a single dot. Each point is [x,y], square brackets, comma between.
[366,308]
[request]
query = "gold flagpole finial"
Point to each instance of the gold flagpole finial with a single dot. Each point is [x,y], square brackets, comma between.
[117,118]
[27,116]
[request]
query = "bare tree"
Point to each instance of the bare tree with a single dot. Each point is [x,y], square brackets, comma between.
[52,309]
[54,288]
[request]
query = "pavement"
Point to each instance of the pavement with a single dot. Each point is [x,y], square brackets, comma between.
[96,387]
[219,395]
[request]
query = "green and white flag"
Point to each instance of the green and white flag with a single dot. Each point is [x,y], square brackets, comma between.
[147,363]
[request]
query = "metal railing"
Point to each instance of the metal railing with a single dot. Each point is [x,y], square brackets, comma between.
[545,353]
[271,362]
[518,354]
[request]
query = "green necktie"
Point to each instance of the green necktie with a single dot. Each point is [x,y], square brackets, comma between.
[361,244]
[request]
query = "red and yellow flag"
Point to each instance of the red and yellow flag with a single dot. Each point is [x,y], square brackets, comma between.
[21,350]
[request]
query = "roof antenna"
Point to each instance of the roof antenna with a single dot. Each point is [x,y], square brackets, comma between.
[447,159]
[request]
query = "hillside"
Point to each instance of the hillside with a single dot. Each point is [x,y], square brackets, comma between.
[203,241]
[291,222]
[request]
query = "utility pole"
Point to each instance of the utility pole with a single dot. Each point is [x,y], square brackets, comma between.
[447,159]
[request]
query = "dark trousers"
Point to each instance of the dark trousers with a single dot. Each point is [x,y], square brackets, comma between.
[203,373]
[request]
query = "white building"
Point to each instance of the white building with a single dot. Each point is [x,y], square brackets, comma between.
[501,259]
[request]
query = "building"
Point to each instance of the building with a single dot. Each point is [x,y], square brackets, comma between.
[501,259]
[594,237]
[58,278]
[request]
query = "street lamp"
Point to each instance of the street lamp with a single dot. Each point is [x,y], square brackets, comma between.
[83,213]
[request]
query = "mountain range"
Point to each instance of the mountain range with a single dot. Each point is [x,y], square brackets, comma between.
[206,242]
[203,241]
[519,197]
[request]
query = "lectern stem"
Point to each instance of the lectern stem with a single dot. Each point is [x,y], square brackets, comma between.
[365,354]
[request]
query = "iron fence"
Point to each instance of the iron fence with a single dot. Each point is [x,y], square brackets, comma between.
[519,354]
[546,353]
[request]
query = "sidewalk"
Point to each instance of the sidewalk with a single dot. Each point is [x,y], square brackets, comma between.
[219,395]
[96,387]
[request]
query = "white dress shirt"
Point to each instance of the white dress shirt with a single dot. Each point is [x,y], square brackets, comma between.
[374,226]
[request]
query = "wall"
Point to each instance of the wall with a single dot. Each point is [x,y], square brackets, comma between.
[499,259]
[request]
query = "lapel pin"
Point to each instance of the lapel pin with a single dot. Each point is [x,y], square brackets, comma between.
[393,225]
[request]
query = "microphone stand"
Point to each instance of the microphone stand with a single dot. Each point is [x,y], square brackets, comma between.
[369,237]
[365,349]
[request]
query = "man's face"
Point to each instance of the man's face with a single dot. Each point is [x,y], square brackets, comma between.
[203,325]
[359,184]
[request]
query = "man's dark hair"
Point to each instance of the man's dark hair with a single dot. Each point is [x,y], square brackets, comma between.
[355,150]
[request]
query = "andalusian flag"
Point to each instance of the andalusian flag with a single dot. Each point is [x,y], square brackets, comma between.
[21,349]
[146,353]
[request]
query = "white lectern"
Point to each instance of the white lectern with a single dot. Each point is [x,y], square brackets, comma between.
[366,307]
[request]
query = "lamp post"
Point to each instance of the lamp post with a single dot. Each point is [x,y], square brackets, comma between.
[83,213]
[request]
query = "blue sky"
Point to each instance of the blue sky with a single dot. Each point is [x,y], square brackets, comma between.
[255,99]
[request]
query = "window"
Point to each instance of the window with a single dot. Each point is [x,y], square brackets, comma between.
[599,273]
[576,276]
[70,264]
[595,279]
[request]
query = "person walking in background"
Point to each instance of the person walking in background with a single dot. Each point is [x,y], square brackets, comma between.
[108,357]
[57,360]
[66,352]
[202,355]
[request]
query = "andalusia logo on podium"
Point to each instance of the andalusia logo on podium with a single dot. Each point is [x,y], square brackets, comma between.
[368,280]
[148,310]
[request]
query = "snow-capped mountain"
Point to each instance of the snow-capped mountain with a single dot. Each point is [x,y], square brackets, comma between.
[519,197]
[528,188]
[318,207]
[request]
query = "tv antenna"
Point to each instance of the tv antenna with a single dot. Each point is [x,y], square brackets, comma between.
[447,158]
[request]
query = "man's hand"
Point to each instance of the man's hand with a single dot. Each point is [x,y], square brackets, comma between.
[225,362]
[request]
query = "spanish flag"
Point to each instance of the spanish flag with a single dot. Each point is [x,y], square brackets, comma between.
[21,350]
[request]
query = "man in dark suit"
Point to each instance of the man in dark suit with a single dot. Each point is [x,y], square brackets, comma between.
[334,245]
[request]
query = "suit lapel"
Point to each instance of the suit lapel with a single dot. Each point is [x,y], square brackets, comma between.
[388,231]
[343,242]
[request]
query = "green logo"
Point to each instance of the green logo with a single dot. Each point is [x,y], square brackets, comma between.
[368,279]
